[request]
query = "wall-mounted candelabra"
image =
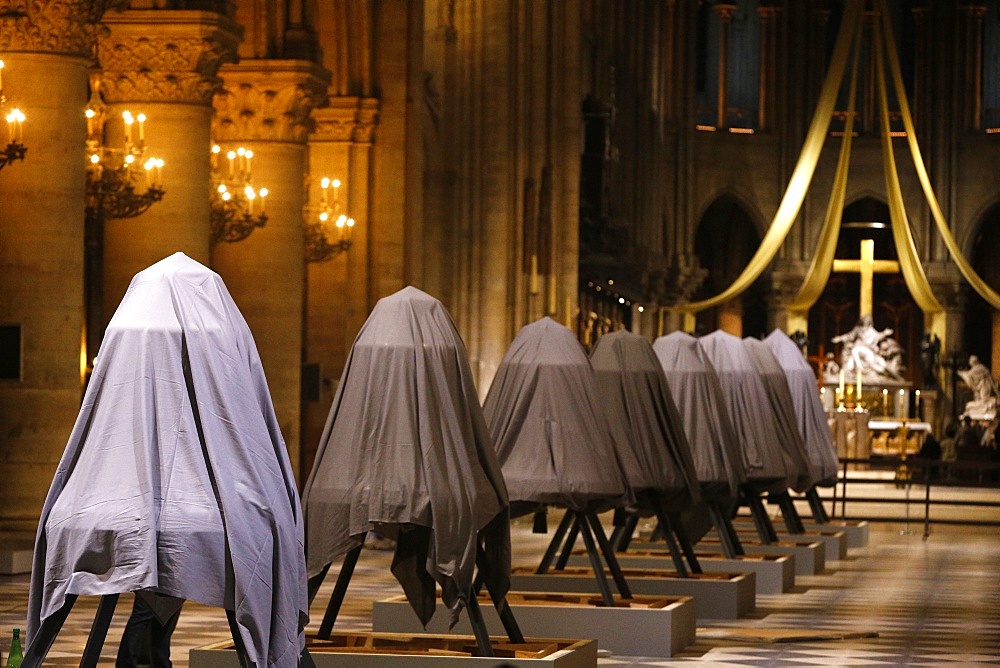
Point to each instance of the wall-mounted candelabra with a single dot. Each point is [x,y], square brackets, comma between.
[237,208]
[15,148]
[326,221]
[123,181]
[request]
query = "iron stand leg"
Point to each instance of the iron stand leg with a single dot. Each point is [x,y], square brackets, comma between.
[339,590]
[609,555]
[557,538]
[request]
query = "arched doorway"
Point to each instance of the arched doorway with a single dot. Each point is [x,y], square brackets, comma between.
[837,309]
[982,322]
[724,243]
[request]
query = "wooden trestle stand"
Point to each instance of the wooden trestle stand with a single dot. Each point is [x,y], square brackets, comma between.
[40,645]
[472,605]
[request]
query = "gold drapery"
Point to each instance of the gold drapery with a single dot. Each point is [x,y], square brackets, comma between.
[970,275]
[906,250]
[822,262]
[798,185]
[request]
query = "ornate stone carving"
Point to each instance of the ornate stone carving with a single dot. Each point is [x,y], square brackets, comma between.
[68,27]
[268,100]
[347,119]
[684,276]
[167,56]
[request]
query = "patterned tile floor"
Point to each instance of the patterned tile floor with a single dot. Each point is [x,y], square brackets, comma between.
[931,602]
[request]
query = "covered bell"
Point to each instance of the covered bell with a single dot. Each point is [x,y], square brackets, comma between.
[406,451]
[769,467]
[643,417]
[809,412]
[718,457]
[176,479]
[547,423]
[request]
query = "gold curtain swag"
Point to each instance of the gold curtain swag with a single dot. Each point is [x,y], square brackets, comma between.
[906,250]
[822,262]
[970,275]
[805,168]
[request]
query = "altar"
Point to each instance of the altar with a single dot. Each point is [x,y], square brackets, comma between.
[897,437]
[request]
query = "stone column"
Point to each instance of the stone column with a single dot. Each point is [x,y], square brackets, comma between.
[46,49]
[974,12]
[336,293]
[165,64]
[725,11]
[768,70]
[265,105]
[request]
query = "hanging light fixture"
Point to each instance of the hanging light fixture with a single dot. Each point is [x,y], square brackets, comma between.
[122,180]
[326,221]
[237,208]
[15,149]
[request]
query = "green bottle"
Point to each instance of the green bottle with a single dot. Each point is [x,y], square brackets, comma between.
[14,657]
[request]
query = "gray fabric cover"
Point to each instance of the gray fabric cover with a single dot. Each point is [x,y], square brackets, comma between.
[643,417]
[406,451]
[767,462]
[694,385]
[175,477]
[780,398]
[809,412]
[544,414]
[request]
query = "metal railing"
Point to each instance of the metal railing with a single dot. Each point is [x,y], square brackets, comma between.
[912,473]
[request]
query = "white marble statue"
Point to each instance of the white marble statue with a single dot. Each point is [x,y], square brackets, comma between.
[984,390]
[872,351]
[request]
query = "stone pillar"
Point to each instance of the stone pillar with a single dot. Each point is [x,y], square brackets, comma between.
[265,106]
[725,11]
[46,49]
[164,63]
[768,70]
[972,40]
[336,293]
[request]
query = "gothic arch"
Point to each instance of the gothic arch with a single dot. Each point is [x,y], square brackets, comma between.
[726,237]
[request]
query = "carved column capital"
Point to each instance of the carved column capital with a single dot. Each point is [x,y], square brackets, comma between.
[346,119]
[725,11]
[68,27]
[269,100]
[165,56]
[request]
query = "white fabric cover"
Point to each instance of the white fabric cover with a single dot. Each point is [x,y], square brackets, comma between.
[175,456]
[780,398]
[643,417]
[809,412]
[544,414]
[718,457]
[768,466]
[406,451]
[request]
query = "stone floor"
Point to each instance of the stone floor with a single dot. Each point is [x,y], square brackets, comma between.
[932,602]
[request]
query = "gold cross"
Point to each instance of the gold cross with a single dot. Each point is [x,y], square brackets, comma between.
[867,266]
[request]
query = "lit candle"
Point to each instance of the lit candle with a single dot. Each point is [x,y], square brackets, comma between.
[885,402]
[263,198]
[841,383]
[916,411]
[857,392]
[90,122]
[248,155]
[901,405]
[336,190]
[142,127]
[232,163]
[129,120]
[10,128]
[1,76]
[159,171]
[216,149]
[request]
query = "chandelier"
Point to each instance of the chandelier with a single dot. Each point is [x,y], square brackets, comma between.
[122,181]
[15,149]
[236,208]
[324,219]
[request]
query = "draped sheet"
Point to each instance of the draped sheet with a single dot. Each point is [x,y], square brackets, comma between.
[768,465]
[548,426]
[776,387]
[718,457]
[406,451]
[642,414]
[809,411]
[175,478]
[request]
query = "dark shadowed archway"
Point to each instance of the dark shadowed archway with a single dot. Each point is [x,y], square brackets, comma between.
[981,320]
[724,243]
